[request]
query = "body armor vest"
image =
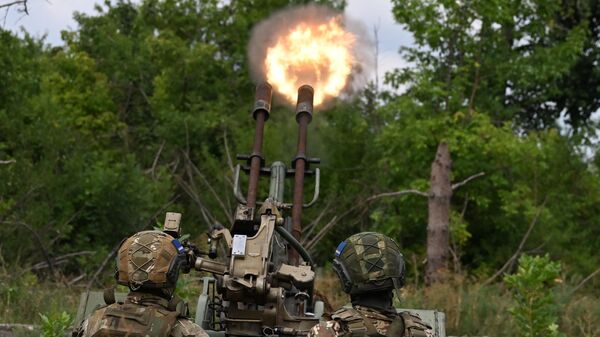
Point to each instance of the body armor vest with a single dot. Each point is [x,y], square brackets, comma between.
[367,322]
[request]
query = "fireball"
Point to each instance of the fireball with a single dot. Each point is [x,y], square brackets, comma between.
[316,54]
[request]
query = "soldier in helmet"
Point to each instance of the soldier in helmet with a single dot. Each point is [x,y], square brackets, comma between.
[148,263]
[370,266]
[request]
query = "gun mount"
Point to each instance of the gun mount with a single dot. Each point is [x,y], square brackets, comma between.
[264,282]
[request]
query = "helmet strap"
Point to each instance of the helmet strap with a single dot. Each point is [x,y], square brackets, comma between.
[342,273]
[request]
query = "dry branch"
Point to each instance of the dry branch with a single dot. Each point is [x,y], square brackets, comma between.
[585,280]
[60,259]
[195,169]
[312,242]
[155,162]
[510,262]
[396,194]
[464,182]
[47,256]
[10,326]
[108,257]
[322,233]
[313,225]
[14,3]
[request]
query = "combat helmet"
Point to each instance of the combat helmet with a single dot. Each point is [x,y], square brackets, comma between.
[150,259]
[367,262]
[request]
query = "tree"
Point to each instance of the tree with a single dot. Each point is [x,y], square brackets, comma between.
[438,219]
[511,59]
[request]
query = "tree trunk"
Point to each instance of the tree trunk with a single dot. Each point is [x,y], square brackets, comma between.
[438,234]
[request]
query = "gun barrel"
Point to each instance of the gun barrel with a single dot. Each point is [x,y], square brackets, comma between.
[262,108]
[304,110]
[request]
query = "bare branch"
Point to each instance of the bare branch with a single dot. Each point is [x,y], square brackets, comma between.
[40,243]
[75,280]
[108,257]
[466,181]
[322,232]
[585,280]
[155,162]
[189,190]
[312,242]
[9,326]
[60,259]
[228,212]
[396,194]
[6,162]
[18,2]
[515,256]
[311,227]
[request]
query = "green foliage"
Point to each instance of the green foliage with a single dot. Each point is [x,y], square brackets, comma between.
[56,325]
[515,60]
[145,106]
[131,116]
[532,286]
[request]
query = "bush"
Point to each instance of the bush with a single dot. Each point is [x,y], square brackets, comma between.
[532,288]
[55,325]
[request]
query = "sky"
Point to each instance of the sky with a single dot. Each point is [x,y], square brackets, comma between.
[50,17]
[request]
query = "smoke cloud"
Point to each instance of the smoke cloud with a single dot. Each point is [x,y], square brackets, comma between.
[266,34]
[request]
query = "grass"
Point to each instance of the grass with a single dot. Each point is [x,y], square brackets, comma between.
[471,309]
[475,310]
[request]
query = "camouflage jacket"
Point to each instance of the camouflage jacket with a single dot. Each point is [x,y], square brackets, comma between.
[362,321]
[141,315]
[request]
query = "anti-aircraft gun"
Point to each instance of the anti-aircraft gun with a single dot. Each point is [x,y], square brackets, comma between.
[263,277]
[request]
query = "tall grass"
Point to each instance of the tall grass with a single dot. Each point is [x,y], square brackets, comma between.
[471,309]
[475,310]
[23,297]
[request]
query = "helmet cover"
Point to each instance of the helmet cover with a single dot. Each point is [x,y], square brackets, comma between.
[149,259]
[369,261]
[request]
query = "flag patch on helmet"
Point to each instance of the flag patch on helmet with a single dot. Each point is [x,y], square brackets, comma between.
[340,248]
[178,246]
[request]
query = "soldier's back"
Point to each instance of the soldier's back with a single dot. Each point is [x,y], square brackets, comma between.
[362,321]
[138,320]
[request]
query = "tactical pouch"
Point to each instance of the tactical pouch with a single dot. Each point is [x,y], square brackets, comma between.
[414,326]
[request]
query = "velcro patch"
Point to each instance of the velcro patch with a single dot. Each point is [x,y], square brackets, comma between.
[178,246]
[340,248]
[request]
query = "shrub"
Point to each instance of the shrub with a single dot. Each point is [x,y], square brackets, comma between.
[55,325]
[532,287]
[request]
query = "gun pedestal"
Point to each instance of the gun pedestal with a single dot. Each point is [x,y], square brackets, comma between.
[260,295]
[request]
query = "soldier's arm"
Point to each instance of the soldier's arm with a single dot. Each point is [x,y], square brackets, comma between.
[327,329]
[186,328]
[414,326]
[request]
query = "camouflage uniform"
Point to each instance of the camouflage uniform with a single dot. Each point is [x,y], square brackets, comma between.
[141,314]
[363,321]
[370,266]
[148,263]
